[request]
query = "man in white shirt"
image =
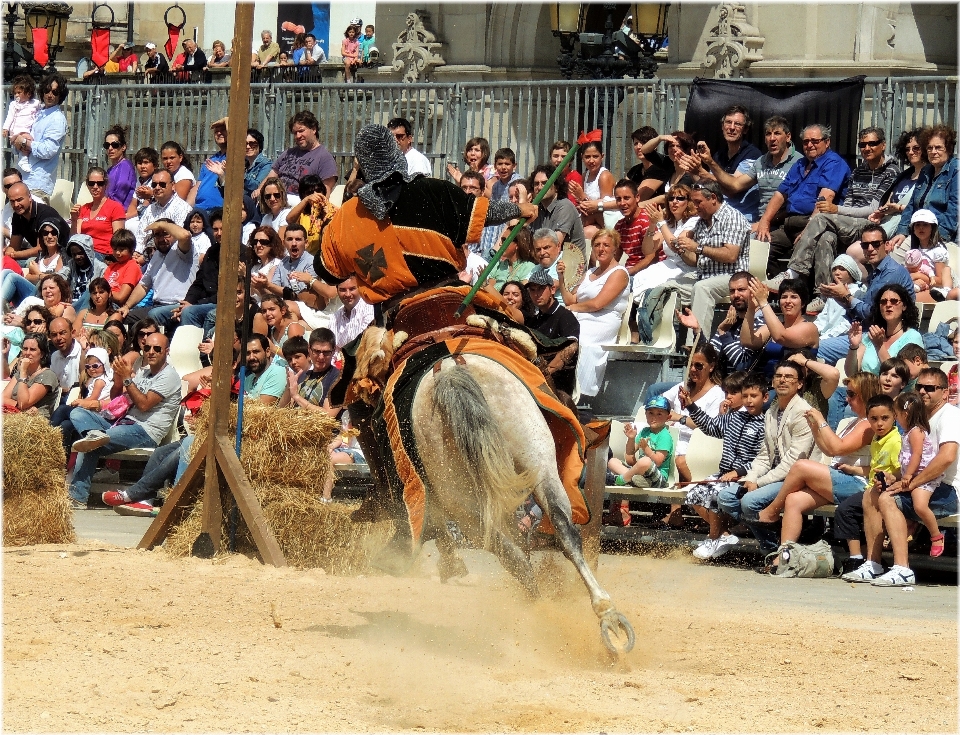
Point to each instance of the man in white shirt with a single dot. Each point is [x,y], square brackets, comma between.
[353,317]
[417,163]
[170,273]
[65,359]
[313,53]
[166,204]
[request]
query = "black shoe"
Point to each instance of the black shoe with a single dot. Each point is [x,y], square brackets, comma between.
[850,565]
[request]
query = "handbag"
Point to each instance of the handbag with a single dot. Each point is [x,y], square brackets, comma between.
[117,408]
[798,560]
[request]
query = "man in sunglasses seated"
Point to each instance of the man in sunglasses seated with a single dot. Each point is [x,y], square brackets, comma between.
[166,204]
[833,227]
[154,392]
[28,216]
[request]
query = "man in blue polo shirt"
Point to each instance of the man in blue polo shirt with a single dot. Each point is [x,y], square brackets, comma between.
[737,156]
[820,177]
[209,193]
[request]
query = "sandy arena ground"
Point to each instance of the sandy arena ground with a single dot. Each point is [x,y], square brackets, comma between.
[100,638]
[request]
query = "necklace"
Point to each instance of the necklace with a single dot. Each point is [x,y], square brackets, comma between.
[898,329]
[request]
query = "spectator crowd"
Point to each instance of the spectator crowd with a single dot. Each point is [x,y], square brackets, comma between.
[93,304]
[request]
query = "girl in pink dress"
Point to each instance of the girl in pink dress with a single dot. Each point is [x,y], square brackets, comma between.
[916,451]
[350,51]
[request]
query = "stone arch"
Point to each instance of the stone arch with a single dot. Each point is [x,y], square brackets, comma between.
[514,33]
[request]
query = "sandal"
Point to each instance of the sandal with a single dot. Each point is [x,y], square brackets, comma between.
[936,546]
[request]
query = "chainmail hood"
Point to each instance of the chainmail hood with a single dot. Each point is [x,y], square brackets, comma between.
[380,160]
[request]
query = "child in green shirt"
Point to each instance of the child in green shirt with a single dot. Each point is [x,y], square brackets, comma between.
[648,459]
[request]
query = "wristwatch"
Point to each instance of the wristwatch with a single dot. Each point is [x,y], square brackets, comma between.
[600,205]
[127,382]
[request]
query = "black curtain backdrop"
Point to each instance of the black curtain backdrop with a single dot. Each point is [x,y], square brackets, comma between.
[836,104]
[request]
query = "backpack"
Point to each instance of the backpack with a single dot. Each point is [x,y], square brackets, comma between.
[650,311]
[797,560]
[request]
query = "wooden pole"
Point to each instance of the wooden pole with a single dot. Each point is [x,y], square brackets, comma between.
[219,462]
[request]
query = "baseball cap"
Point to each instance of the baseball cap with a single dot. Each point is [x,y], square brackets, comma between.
[658,402]
[540,277]
[356,22]
[150,46]
[923,215]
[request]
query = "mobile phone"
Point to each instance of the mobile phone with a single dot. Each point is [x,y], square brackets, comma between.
[882,479]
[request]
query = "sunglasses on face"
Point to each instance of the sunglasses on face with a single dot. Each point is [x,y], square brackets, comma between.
[812,141]
[94,366]
[261,242]
[677,199]
[48,233]
[112,144]
[913,149]
[271,196]
[252,144]
[870,244]
[92,184]
[152,348]
[890,302]
[34,321]
[7,186]
[868,144]
[325,353]
[159,184]
[784,377]
[698,366]
[144,335]
[928,387]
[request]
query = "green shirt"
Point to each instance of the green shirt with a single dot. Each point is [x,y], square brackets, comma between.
[504,271]
[660,441]
[271,382]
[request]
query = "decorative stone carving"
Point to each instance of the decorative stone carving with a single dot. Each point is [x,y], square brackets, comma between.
[733,44]
[416,51]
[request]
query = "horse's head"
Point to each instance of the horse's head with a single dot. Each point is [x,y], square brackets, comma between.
[373,362]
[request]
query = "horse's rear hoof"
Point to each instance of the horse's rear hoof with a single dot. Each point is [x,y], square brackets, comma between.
[617,633]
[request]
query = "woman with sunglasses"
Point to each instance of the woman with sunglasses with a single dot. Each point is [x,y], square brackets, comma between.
[666,225]
[36,319]
[268,249]
[274,206]
[33,386]
[894,320]
[49,260]
[55,293]
[101,216]
[176,162]
[123,178]
[256,165]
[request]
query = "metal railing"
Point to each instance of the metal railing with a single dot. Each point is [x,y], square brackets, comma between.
[526,116]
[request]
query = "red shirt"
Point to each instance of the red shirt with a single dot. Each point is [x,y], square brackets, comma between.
[100,228]
[631,236]
[118,274]
[9,264]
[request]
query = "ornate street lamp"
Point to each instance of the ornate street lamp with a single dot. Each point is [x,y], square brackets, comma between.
[610,54]
[45,28]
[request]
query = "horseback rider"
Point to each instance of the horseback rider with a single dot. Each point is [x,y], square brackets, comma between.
[401,235]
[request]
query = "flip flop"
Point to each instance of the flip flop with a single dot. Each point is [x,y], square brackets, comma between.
[936,546]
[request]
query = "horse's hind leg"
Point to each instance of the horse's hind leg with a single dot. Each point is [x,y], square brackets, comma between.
[516,562]
[552,499]
[450,564]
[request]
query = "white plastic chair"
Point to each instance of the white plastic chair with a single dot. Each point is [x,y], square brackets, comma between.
[943,312]
[62,198]
[184,355]
[757,262]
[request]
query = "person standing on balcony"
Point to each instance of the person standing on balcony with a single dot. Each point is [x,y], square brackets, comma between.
[307,156]
[45,141]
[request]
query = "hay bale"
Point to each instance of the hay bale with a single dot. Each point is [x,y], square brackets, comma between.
[36,507]
[285,456]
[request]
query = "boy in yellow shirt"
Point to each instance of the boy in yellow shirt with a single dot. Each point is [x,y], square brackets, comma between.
[885,447]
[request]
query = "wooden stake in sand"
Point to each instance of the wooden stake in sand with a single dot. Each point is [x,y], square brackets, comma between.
[217,457]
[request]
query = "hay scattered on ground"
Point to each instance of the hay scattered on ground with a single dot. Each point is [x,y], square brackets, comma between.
[285,456]
[36,508]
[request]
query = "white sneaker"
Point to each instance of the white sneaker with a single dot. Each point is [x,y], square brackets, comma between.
[705,550]
[93,440]
[897,576]
[724,544]
[866,572]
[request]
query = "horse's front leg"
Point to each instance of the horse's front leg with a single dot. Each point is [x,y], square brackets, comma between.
[553,499]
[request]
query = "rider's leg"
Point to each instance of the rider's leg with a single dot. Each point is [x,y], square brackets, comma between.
[379,500]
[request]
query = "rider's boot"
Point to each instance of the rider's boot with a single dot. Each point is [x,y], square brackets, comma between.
[378,502]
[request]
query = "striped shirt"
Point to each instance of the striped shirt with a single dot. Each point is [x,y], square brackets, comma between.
[866,187]
[742,436]
[727,227]
[631,237]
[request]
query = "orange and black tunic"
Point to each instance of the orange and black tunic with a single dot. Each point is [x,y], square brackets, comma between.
[419,244]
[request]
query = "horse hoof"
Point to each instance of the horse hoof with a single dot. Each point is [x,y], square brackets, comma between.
[451,568]
[616,624]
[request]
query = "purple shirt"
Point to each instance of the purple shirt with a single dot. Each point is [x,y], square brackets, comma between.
[295,163]
[123,181]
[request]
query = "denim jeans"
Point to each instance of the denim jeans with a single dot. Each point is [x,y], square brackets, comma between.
[61,418]
[124,436]
[747,509]
[83,302]
[161,467]
[195,315]
[160,314]
[657,389]
[15,288]
[833,349]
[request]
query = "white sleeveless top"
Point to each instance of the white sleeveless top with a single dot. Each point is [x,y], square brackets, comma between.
[591,189]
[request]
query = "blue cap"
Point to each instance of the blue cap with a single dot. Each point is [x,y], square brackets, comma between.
[658,402]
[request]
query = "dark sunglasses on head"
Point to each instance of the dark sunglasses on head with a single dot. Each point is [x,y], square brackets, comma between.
[96,183]
[928,387]
[153,348]
[868,144]
[871,243]
[159,184]
[112,144]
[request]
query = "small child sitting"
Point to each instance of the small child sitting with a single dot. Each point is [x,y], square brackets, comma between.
[741,428]
[21,114]
[920,267]
[832,321]
[367,40]
[655,444]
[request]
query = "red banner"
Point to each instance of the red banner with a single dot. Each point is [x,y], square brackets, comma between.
[173,38]
[40,52]
[100,46]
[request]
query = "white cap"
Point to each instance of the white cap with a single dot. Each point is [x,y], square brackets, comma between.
[923,215]
[150,46]
[356,22]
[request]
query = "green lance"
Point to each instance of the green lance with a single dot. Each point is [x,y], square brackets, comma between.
[482,278]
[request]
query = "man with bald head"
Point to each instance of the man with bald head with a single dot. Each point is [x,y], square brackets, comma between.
[28,215]
[65,359]
[154,391]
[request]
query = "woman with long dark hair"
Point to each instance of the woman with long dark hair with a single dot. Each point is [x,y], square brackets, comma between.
[894,321]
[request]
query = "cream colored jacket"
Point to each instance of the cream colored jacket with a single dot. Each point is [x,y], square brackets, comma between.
[793,440]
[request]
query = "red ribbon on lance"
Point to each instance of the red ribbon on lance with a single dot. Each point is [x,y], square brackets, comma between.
[594,136]
[40,50]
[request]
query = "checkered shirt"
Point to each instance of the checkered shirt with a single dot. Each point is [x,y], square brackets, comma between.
[728,227]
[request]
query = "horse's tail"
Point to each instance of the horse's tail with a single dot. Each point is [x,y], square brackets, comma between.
[487,460]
